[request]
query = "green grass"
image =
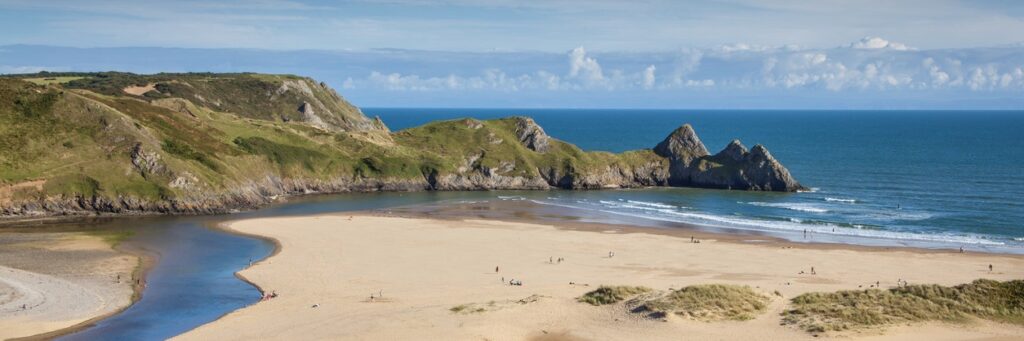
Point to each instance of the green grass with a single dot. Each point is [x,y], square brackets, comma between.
[710,302]
[604,295]
[185,151]
[282,154]
[856,309]
[73,184]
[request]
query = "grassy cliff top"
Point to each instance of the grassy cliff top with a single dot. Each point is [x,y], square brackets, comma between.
[172,136]
[259,96]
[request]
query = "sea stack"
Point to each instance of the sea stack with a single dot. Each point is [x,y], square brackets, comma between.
[732,168]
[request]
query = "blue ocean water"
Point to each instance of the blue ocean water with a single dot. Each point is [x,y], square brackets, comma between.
[950,178]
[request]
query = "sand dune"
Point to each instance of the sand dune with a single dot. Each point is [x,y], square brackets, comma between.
[329,266]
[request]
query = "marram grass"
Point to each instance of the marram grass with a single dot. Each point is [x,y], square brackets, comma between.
[856,309]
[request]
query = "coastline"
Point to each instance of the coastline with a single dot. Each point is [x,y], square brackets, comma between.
[143,263]
[259,276]
[223,227]
[524,212]
[146,262]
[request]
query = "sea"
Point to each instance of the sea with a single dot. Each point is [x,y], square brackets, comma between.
[942,179]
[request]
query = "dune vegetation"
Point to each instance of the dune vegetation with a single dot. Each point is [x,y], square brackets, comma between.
[611,294]
[706,302]
[858,309]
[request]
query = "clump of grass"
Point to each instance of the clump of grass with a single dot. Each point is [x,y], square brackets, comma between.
[856,309]
[710,302]
[611,294]
[185,151]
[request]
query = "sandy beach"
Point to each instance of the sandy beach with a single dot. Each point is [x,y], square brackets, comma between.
[52,281]
[417,270]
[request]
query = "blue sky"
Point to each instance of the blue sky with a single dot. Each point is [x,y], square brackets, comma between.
[648,53]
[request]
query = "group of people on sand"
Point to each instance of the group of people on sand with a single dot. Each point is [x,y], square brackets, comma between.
[812,271]
[552,260]
[694,240]
[268,296]
[511,281]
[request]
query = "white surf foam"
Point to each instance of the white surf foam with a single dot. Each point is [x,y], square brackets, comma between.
[802,207]
[843,200]
[793,225]
[652,204]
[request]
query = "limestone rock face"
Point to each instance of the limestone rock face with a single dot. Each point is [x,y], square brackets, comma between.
[732,168]
[531,135]
[735,151]
[766,173]
[682,144]
[309,116]
[146,162]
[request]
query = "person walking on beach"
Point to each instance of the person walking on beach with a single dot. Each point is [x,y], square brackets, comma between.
[990,268]
[495,269]
[812,271]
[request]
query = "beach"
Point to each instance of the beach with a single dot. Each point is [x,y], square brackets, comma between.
[380,277]
[54,281]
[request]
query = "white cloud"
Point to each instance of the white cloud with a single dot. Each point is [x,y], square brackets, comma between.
[876,43]
[878,65]
[648,77]
[582,66]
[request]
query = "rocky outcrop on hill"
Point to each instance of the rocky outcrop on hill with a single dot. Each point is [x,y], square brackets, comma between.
[531,135]
[732,168]
[147,163]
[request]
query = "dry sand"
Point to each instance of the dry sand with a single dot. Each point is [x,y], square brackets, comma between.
[61,279]
[328,266]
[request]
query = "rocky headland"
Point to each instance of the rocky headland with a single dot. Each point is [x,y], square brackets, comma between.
[115,143]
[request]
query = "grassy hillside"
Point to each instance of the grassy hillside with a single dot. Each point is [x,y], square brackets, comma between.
[194,137]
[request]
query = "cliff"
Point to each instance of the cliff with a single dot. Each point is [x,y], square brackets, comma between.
[73,144]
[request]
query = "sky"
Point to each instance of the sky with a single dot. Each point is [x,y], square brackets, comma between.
[935,54]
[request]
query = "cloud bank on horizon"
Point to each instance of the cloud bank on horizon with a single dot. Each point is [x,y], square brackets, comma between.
[949,53]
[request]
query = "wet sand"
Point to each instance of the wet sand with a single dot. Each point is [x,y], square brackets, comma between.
[417,269]
[55,281]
